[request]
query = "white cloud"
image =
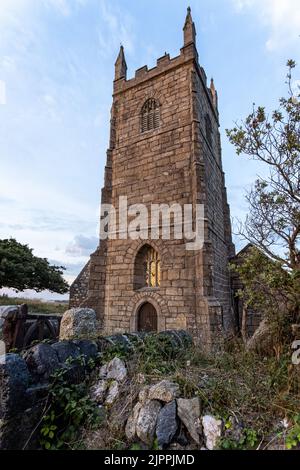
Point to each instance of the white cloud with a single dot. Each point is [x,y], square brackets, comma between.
[281,17]
[82,246]
[116,28]
[64,7]
[10,8]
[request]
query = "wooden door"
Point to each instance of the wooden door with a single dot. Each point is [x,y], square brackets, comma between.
[147,318]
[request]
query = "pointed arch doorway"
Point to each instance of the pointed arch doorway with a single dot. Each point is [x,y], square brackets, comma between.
[147,318]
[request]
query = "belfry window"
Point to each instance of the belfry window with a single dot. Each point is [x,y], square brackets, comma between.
[150,115]
[208,130]
[147,268]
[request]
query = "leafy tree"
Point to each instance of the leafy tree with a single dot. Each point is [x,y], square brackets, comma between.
[272,225]
[20,270]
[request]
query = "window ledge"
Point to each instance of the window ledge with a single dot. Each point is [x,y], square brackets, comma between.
[148,289]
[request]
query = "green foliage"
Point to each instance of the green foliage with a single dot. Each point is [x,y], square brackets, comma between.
[155,445]
[21,270]
[70,408]
[273,221]
[117,350]
[188,389]
[248,441]
[159,353]
[271,290]
[136,446]
[293,436]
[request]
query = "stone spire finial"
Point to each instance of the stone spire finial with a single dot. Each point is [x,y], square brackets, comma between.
[189,29]
[120,65]
[214,93]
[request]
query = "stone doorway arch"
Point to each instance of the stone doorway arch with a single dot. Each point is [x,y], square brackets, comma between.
[155,299]
[147,318]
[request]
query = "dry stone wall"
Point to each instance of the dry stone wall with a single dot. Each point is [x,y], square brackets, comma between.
[25,380]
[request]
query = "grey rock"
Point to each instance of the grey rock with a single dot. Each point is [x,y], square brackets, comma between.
[167,425]
[130,428]
[78,323]
[115,370]
[212,430]
[14,380]
[144,394]
[189,412]
[87,348]
[113,393]
[98,391]
[41,361]
[263,340]
[165,391]
[146,422]
[103,371]
[66,350]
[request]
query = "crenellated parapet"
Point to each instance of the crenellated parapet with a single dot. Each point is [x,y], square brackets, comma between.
[165,64]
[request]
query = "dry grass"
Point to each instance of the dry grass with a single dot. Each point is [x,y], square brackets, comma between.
[36,306]
[254,391]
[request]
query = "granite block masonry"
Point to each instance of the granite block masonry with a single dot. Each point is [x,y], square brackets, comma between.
[164,148]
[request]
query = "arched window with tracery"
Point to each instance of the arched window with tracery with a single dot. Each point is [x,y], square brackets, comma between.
[150,115]
[147,268]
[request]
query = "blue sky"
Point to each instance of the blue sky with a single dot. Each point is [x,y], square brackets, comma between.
[56,70]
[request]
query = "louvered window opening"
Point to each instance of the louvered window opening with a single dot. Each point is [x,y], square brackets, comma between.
[150,118]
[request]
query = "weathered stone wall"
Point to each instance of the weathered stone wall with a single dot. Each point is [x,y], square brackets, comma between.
[210,179]
[79,288]
[25,380]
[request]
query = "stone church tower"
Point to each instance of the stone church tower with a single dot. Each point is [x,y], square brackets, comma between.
[164,148]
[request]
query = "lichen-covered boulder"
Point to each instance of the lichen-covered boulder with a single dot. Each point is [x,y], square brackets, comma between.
[78,323]
[42,361]
[212,430]
[165,391]
[146,422]
[114,370]
[167,424]
[14,380]
[189,413]
[262,342]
